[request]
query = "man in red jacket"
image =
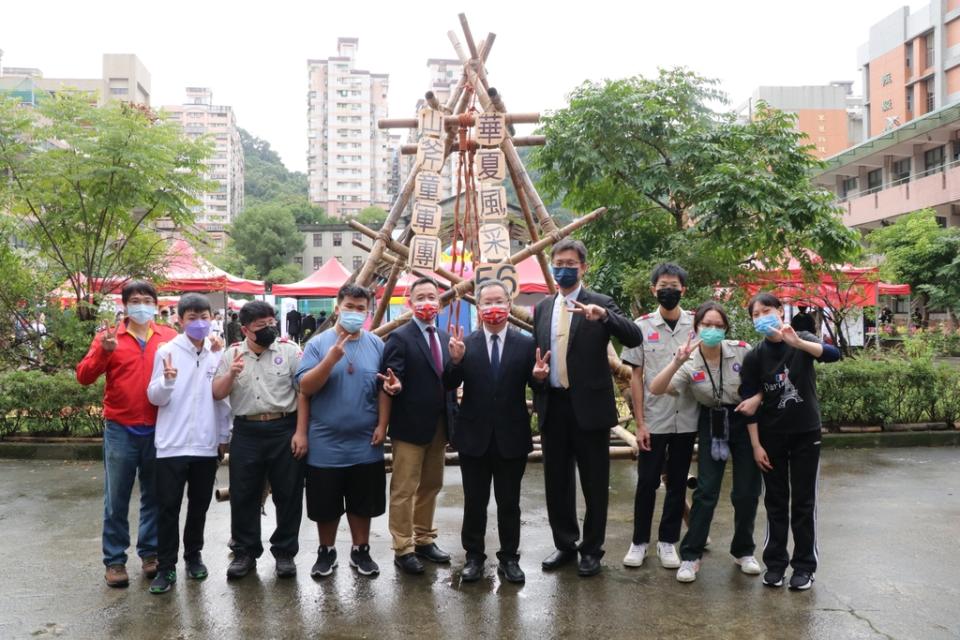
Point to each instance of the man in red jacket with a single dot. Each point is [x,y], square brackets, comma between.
[125,354]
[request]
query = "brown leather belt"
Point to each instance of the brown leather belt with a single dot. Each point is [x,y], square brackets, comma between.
[264,417]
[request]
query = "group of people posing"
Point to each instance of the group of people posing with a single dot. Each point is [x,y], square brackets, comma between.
[314,424]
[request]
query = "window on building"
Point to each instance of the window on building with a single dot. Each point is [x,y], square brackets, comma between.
[356,236]
[908,57]
[318,239]
[928,43]
[909,100]
[874,180]
[933,159]
[317,262]
[337,239]
[931,95]
[357,262]
[848,187]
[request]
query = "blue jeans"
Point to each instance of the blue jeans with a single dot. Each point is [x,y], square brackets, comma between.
[125,456]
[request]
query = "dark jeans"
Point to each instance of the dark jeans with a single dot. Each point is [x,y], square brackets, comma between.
[791,498]
[198,474]
[125,457]
[260,451]
[506,474]
[745,495]
[676,449]
[568,448]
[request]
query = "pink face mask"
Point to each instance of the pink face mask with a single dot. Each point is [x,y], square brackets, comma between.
[426,311]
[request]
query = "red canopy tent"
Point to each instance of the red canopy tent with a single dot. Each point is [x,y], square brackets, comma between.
[531,277]
[186,270]
[325,282]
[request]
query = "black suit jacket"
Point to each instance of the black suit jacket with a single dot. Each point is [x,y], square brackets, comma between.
[588,370]
[423,400]
[493,410]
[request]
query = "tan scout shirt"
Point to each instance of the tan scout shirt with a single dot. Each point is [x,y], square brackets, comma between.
[695,375]
[267,383]
[667,413]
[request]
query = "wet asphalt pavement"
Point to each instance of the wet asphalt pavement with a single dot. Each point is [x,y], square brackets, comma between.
[889,533]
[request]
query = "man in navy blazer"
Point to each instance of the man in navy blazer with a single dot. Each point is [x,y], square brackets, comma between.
[419,419]
[495,364]
[576,408]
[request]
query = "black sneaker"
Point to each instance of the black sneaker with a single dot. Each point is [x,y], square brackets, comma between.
[196,570]
[325,564]
[286,567]
[773,578]
[801,581]
[241,566]
[163,582]
[361,561]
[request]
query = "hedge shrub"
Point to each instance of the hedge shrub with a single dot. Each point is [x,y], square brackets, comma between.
[42,403]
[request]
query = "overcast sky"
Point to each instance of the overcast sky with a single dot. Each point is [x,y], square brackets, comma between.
[253,55]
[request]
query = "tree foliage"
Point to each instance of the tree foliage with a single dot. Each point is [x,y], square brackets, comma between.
[86,183]
[683,182]
[267,238]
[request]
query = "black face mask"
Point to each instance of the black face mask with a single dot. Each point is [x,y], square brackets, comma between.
[265,337]
[669,298]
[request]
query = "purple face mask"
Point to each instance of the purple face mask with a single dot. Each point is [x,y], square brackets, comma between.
[197,329]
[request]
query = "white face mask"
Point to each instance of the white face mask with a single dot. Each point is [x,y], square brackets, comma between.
[141,313]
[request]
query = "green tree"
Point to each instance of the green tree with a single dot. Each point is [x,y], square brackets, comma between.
[266,237]
[264,175]
[372,215]
[685,183]
[919,252]
[86,184]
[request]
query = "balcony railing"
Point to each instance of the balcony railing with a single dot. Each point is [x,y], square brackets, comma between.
[903,180]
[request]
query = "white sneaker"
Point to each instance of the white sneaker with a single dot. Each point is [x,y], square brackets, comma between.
[749,565]
[635,555]
[668,555]
[688,571]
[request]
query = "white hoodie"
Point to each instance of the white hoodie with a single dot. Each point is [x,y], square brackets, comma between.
[189,421]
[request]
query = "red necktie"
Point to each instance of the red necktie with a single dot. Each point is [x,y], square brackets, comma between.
[435,350]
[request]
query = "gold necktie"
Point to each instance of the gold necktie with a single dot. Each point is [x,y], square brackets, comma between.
[563,334]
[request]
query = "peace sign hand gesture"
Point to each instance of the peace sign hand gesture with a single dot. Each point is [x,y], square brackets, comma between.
[169,371]
[589,311]
[456,346]
[236,367]
[391,384]
[541,368]
[337,351]
[108,341]
[683,353]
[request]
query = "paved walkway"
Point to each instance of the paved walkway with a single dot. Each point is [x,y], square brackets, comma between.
[889,527]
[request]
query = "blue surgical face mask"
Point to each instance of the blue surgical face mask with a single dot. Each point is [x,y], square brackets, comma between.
[566,277]
[352,321]
[767,324]
[712,336]
[141,313]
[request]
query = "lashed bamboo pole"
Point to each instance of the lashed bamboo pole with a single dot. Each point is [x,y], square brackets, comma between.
[387,293]
[522,141]
[534,234]
[454,121]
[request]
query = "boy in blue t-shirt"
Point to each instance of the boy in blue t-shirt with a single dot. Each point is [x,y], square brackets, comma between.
[343,430]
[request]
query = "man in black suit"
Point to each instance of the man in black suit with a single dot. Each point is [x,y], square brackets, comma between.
[577,409]
[417,353]
[492,434]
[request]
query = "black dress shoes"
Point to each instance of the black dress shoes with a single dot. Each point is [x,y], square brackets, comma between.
[558,558]
[511,571]
[472,571]
[589,566]
[432,552]
[409,563]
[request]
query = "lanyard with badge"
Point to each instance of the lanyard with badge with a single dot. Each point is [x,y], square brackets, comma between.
[719,415]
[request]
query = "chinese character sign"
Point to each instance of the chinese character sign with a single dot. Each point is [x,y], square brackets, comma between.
[427,186]
[426,218]
[430,123]
[430,154]
[491,165]
[494,242]
[491,129]
[493,202]
[424,252]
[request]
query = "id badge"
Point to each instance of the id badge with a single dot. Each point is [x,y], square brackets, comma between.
[719,423]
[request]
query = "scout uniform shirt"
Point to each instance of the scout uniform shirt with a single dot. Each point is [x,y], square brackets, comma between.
[667,413]
[704,382]
[268,382]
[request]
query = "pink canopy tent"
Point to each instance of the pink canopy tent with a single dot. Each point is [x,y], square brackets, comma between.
[325,282]
[531,277]
[186,270]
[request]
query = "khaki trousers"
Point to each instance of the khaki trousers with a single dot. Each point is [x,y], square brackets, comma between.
[414,484]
